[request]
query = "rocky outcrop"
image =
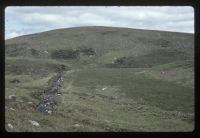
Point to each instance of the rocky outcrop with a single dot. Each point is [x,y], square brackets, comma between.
[47,97]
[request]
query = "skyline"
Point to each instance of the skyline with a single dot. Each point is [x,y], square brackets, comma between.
[29,20]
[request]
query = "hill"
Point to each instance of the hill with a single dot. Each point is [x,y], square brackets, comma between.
[115,79]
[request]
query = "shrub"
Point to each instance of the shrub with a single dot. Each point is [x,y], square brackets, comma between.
[65,54]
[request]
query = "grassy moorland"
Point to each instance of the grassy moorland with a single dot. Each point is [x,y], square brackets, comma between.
[115,79]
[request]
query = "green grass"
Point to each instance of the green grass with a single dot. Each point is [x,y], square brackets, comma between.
[131,102]
[96,97]
[160,93]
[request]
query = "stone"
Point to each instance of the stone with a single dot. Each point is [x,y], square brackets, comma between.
[34,123]
[12,97]
[30,102]
[10,126]
[49,112]
[77,125]
[47,98]
[107,121]
[12,109]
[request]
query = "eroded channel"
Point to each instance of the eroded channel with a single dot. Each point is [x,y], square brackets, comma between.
[47,97]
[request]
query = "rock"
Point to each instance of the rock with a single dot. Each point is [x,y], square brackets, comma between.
[10,126]
[77,125]
[30,102]
[12,109]
[47,98]
[104,88]
[12,97]
[107,121]
[34,123]
[15,81]
[49,112]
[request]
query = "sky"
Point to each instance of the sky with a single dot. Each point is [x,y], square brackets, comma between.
[22,20]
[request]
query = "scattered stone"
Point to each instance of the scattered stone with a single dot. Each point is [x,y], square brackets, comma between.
[107,121]
[104,88]
[49,112]
[34,123]
[47,98]
[12,98]
[12,109]
[15,81]
[77,125]
[30,102]
[10,126]
[46,52]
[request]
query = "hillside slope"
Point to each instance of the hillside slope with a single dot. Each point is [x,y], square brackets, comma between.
[115,79]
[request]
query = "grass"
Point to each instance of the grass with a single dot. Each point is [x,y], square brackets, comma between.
[163,94]
[98,98]
[131,102]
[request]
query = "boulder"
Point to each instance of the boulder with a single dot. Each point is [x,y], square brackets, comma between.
[34,123]
[12,98]
[10,126]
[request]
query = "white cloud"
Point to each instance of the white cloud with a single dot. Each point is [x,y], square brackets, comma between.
[26,20]
[13,34]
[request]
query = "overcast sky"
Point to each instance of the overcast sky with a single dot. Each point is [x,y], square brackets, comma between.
[28,20]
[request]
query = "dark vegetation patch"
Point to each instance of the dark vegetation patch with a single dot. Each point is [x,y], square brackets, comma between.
[77,35]
[18,105]
[33,68]
[25,99]
[36,95]
[12,104]
[86,51]
[154,58]
[15,81]
[109,32]
[65,54]
[72,54]
[14,50]
[158,42]
[30,69]
[46,122]
[125,34]
[34,52]
[162,43]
